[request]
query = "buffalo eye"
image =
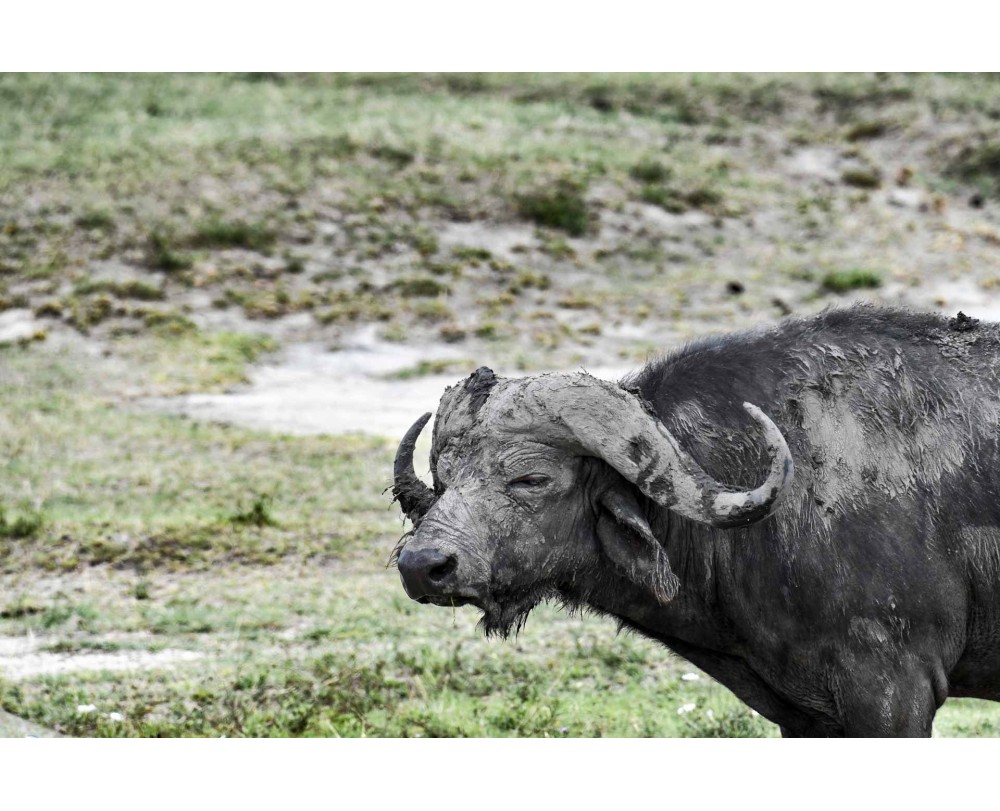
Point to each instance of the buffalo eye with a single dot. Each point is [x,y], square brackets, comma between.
[529,481]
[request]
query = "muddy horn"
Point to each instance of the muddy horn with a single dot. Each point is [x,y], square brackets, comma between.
[415,497]
[611,423]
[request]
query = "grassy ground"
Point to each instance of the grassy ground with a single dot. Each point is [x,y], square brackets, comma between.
[160,233]
[537,219]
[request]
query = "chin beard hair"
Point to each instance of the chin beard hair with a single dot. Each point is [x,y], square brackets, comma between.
[507,615]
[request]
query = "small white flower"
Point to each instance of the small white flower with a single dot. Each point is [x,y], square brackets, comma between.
[685,708]
[83,709]
[690,677]
[116,716]
[709,714]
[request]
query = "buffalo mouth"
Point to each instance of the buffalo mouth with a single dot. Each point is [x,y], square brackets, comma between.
[446,601]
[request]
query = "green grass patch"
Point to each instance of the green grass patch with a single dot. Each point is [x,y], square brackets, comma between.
[218,233]
[862,178]
[844,281]
[130,289]
[146,492]
[177,358]
[560,205]
[431,367]
[978,164]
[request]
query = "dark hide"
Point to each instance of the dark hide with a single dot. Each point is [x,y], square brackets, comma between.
[870,595]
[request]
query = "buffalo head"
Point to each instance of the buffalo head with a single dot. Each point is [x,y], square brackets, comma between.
[546,486]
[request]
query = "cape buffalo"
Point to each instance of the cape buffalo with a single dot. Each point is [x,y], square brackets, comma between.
[809,513]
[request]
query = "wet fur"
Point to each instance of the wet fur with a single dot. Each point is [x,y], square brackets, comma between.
[873,592]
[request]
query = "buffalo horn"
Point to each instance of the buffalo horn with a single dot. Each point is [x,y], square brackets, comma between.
[606,421]
[415,497]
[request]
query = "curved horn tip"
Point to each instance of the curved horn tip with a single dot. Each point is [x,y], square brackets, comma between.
[415,497]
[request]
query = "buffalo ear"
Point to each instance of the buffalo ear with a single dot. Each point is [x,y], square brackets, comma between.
[628,540]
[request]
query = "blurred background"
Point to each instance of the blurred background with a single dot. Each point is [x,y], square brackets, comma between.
[223,299]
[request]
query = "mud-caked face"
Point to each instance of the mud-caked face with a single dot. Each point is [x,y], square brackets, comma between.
[513,522]
[544,486]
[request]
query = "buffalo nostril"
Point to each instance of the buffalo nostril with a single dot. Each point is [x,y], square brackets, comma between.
[441,571]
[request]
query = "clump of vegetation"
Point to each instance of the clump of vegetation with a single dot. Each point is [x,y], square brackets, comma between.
[399,157]
[90,312]
[431,367]
[843,281]
[557,247]
[346,306]
[471,254]
[168,322]
[218,233]
[677,201]
[866,130]
[650,171]
[258,514]
[130,289]
[96,220]
[862,178]
[420,286]
[452,333]
[736,723]
[979,165]
[27,525]
[162,253]
[577,301]
[526,279]
[432,311]
[561,206]
[488,330]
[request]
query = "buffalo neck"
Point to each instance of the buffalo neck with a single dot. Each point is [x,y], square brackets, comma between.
[698,614]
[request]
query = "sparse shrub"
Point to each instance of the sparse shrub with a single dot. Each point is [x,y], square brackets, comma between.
[49,309]
[978,164]
[526,279]
[93,311]
[258,514]
[676,201]
[294,265]
[424,241]
[432,311]
[666,198]
[418,286]
[23,526]
[862,178]
[557,248]
[168,322]
[650,171]
[217,233]
[471,254]
[452,333]
[561,205]
[399,157]
[95,219]
[739,723]
[162,255]
[488,331]
[131,289]
[843,281]
[865,130]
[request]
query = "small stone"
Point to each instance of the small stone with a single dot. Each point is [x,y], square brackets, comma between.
[908,198]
